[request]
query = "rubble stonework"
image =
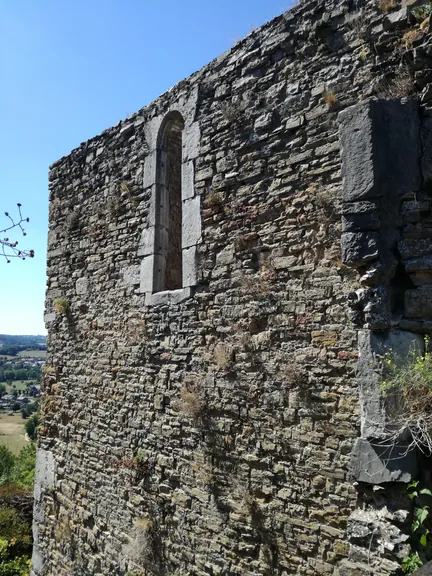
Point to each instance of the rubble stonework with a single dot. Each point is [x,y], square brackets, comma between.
[229,426]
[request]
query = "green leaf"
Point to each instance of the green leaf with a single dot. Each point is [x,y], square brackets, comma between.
[426,491]
[413,495]
[413,484]
[420,514]
[415,525]
[423,540]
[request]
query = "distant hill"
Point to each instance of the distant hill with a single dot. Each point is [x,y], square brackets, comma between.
[11,344]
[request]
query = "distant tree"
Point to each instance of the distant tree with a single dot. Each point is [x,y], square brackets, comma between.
[31,426]
[9,248]
[16,406]
[2,390]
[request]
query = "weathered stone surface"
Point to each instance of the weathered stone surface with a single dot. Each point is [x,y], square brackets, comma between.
[379,147]
[372,348]
[418,302]
[222,414]
[358,248]
[377,463]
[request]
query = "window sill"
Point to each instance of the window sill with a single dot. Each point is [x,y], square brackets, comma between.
[168,297]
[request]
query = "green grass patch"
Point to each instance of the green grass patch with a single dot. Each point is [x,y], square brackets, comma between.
[20,385]
[33,353]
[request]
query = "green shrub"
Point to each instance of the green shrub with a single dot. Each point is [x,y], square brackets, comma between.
[23,472]
[31,426]
[7,461]
[15,531]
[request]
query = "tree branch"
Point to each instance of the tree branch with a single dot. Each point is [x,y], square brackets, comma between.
[8,248]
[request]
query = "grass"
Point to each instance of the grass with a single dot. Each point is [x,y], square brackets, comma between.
[407,389]
[12,432]
[32,353]
[330,99]
[387,5]
[20,385]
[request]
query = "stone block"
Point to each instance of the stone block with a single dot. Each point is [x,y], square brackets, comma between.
[146,274]
[420,270]
[418,302]
[360,222]
[190,270]
[188,180]
[81,286]
[147,242]
[379,149]
[191,222]
[358,248]
[414,248]
[373,346]
[131,275]
[375,463]
[150,169]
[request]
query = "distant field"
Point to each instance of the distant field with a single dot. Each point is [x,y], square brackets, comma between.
[12,432]
[19,384]
[33,353]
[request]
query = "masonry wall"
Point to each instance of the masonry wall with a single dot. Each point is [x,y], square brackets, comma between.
[212,433]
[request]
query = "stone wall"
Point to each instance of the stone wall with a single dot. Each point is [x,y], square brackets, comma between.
[210,429]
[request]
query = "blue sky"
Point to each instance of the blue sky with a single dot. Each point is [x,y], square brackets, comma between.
[71,68]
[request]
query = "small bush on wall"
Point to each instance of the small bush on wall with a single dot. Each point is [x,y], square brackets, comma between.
[408,393]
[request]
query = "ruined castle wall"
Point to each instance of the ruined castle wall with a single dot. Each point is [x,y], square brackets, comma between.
[209,430]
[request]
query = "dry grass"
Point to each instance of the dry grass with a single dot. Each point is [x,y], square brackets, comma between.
[359,25]
[258,286]
[61,305]
[213,199]
[203,472]
[140,548]
[12,432]
[408,400]
[292,375]
[223,356]
[411,36]
[387,5]
[330,99]
[399,87]
[192,400]
[232,111]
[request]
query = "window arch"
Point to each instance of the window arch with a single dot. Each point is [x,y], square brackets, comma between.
[168,268]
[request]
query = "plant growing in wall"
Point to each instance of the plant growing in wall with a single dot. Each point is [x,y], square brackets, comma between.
[421,526]
[408,393]
[61,305]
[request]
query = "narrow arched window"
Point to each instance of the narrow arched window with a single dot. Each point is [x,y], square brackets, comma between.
[168,272]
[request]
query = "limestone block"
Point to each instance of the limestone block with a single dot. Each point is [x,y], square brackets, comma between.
[190,272]
[150,163]
[373,346]
[191,141]
[188,180]
[420,270]
[191,222]
[379,149]
[146,274]
[131,275]
[359,247]
[376,463]
[82,285]
[147,242]
[413,248]
[418,302]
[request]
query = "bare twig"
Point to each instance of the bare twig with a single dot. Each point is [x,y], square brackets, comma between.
[9,249]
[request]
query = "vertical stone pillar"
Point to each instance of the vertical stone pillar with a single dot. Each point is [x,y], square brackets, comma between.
[380,154]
